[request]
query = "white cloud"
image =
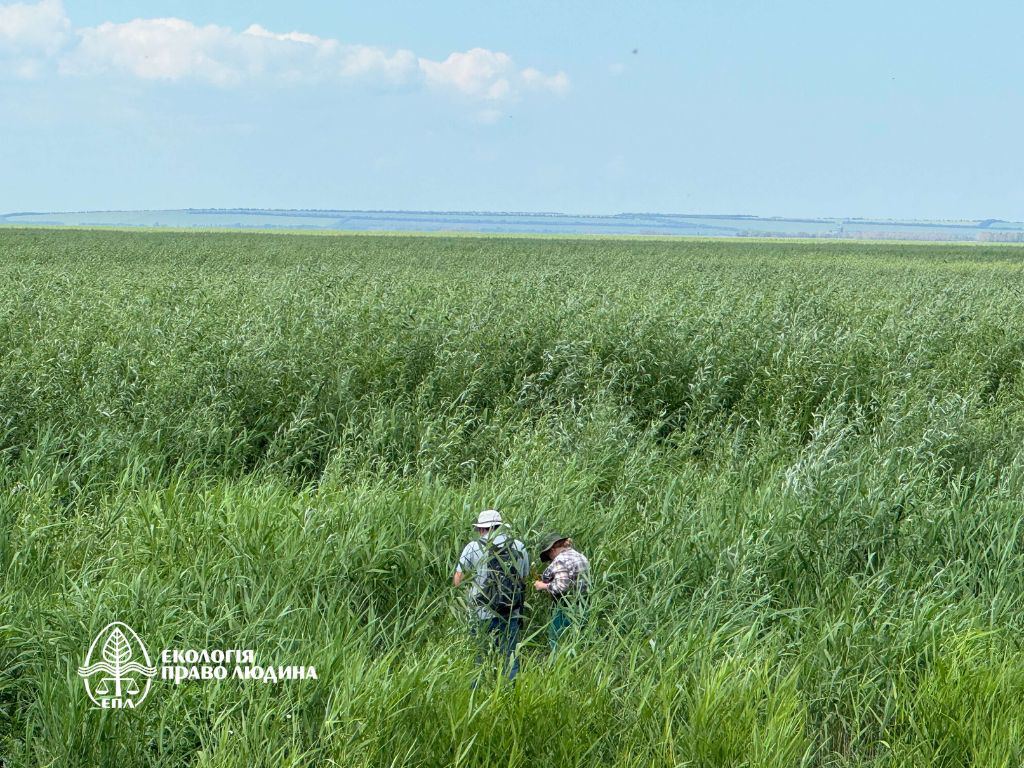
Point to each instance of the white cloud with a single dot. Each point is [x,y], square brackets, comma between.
[29,34]
[367,61]
[557,83]
[478,72]
[173,49]
[39,28]
[293,37]
[159,49]
[490,75]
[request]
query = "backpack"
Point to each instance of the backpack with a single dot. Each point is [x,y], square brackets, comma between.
[502,589]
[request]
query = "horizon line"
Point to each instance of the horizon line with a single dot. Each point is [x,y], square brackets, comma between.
[553,214]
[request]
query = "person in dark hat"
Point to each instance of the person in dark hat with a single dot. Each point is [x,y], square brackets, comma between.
[567,580]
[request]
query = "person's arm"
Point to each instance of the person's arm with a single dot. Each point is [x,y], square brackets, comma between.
[465,561]
[555,580]
[544,582]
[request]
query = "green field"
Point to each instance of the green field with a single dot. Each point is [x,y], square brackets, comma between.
[796,467]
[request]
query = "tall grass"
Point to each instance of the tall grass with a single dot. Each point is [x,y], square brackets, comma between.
[796,469]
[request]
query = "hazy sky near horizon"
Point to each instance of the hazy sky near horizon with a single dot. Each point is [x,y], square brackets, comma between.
[908,110]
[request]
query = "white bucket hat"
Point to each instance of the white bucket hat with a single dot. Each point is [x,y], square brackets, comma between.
[489,518]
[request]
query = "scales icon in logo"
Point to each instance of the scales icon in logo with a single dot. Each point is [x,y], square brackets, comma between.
[117,670]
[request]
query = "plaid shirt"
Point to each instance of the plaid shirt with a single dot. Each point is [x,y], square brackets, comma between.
[568,572]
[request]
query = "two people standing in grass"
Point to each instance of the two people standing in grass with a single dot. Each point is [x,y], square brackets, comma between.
[499,566]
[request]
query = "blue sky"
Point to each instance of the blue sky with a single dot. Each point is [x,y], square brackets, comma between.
[909,110]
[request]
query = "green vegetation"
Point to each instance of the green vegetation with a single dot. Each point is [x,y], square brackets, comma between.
[797,470]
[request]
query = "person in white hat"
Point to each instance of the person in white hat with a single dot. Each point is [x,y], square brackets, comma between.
[499,566]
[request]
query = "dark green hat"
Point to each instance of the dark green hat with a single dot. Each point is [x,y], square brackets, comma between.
[547,542]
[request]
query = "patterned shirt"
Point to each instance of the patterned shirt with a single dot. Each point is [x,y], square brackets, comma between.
[569,572]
